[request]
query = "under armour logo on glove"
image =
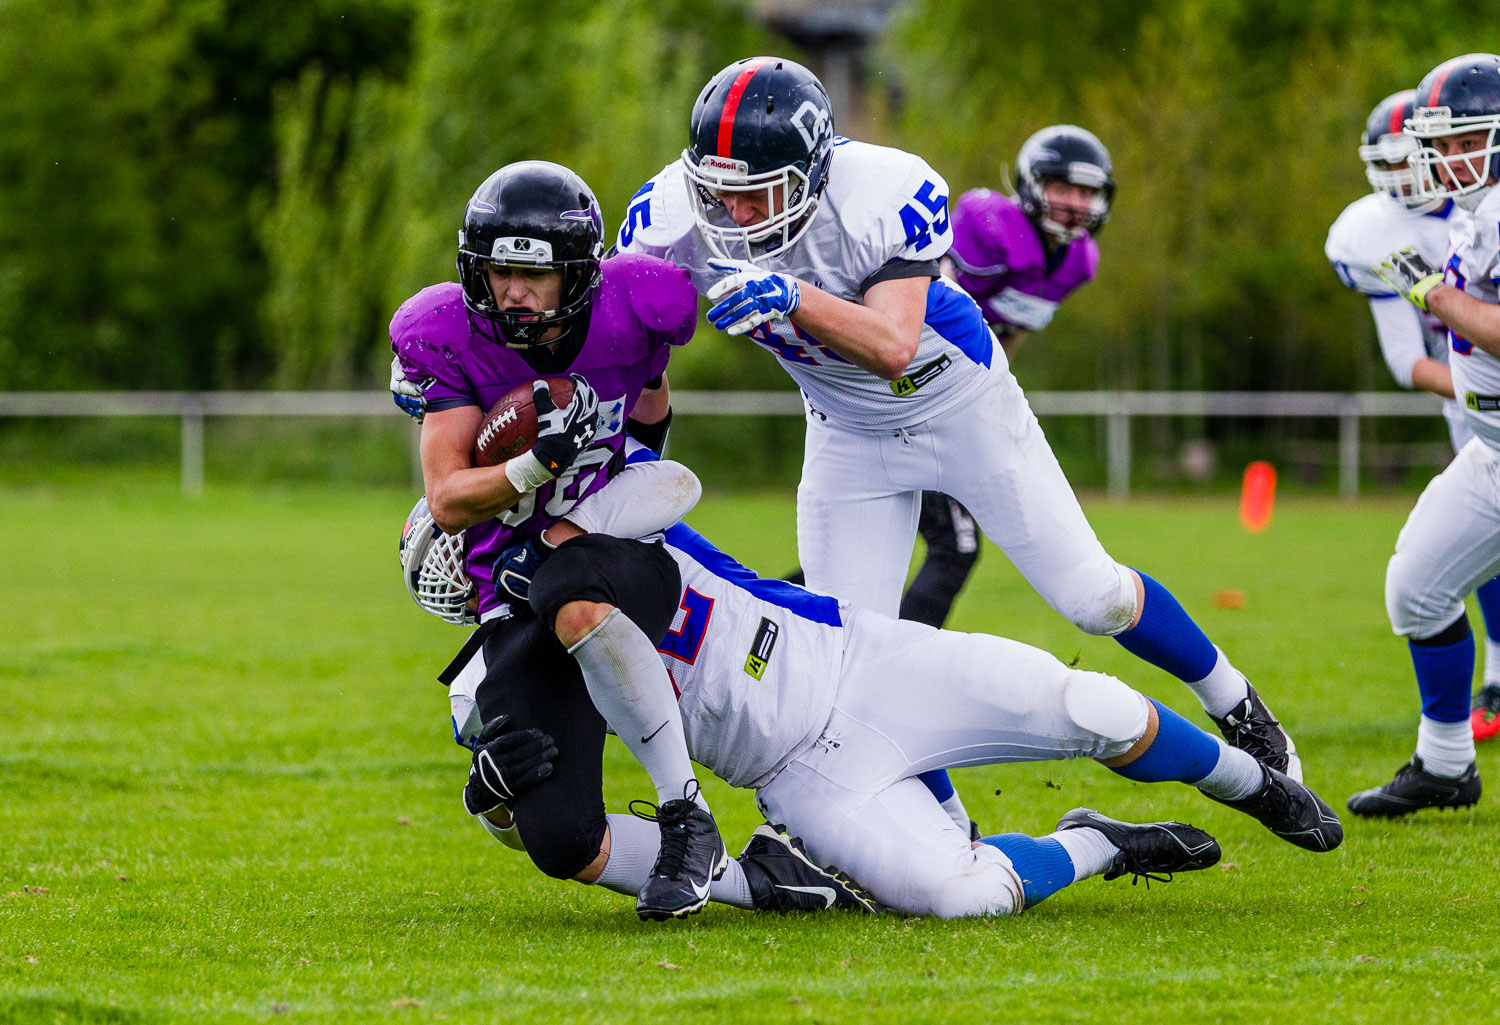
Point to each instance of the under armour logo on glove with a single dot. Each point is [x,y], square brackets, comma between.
[750,296]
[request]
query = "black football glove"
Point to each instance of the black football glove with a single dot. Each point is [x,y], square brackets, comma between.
[563,433]
[1410,275]
[506,764]
[517,565]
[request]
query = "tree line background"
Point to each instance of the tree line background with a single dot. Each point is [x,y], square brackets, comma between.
[231,194]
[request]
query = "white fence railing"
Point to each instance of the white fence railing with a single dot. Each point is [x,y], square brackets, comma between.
[1118,409]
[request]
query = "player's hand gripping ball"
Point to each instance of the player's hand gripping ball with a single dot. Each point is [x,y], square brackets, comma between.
[507,763]
[1409,274]
[529,418]
[750,296]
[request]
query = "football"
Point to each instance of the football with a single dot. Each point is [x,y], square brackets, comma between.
[509,428]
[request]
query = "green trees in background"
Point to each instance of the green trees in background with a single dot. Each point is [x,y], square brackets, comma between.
[220,193]
[1233,126]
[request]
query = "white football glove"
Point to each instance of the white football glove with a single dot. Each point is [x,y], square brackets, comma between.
[750,296]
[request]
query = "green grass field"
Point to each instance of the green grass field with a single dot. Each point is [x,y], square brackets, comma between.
[229,793]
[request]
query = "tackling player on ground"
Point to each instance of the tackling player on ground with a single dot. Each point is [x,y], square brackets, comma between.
[1413,341]
[1019,257]
[808,701]
[1451,541]
[826,251]
[535,299]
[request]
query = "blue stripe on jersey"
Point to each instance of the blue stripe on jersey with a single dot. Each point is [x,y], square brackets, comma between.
[957,320]
[818,608]
[1442,212]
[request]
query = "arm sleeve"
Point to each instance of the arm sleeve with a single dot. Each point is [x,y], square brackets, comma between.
[896,269]
[1399,328]
[645,498]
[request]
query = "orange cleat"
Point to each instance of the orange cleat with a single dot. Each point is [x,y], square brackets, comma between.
[1485,719]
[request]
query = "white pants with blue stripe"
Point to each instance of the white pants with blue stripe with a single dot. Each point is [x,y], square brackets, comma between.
[913,698]
[861,494]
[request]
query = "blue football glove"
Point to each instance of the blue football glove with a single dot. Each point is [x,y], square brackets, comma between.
[507,763]
[407,394]
[517,565]
[750,296]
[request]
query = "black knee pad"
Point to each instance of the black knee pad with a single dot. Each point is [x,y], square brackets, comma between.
[559,842]
[1450,634]
[639,578]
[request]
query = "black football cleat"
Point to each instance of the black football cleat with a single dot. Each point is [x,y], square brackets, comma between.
[1292,811]
[1415,788]
[692,855]
[1148,850]
[1252,728]
[783,878]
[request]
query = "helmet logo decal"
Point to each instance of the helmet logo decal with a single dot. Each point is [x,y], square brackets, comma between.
[819,122]
[481,207]
[592,214]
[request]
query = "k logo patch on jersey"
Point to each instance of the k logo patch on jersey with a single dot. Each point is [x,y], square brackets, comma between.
[760,650]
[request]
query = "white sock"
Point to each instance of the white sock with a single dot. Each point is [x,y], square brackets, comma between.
[1446,748]
[1088,849]
[1223,687]
[1234,777]
[633,845]
[956,811]
[1491,661]
[631,689]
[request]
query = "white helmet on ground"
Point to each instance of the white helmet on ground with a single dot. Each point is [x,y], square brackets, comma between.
[432,564]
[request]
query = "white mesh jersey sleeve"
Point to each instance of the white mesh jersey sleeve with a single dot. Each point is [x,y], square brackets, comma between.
[1474,265]
[755,662]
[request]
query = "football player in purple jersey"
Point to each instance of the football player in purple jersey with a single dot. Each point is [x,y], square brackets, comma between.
[1019,257]
[572,646]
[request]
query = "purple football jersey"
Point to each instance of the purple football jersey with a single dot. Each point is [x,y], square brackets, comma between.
[644,307]
[999,259]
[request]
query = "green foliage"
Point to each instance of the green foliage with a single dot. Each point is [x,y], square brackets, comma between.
[1233,128]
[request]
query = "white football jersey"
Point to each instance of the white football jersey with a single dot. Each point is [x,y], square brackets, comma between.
[1474,265]
[880,204]
[1369,230]
[755,662]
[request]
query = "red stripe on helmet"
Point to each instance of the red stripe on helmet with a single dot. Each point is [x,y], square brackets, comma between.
[1397,121]
[732,104]
[1437,87]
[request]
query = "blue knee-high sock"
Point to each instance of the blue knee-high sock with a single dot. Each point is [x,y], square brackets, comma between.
[1488,594]
[1043,865]
[1445,672]
[1167,637]
[938,782]
[1180,752]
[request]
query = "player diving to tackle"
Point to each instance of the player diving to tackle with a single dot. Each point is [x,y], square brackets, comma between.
[1019,257]
[534,298]
[810,702]
[1451,541]
[825,251]
[1413,341]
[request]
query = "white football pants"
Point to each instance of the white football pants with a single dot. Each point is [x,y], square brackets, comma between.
[861,493]
[912,698]
[1449,545]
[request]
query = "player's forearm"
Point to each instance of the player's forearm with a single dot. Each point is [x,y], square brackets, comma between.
[1475,321]
[461,498]
[1428,375]
[865,337]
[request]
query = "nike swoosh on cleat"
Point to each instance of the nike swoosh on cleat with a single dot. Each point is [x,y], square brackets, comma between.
[817,891]
[647,740]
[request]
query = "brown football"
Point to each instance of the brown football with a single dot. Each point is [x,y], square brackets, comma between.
[509,428]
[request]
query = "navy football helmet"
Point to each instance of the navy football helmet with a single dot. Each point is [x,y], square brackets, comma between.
[1458,97]
[1065,153]
[533,214]
[762,125]
[1385,149]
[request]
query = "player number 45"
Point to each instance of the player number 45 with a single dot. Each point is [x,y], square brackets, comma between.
[919,226]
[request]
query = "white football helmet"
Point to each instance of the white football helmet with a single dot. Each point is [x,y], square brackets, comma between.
[432,564]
